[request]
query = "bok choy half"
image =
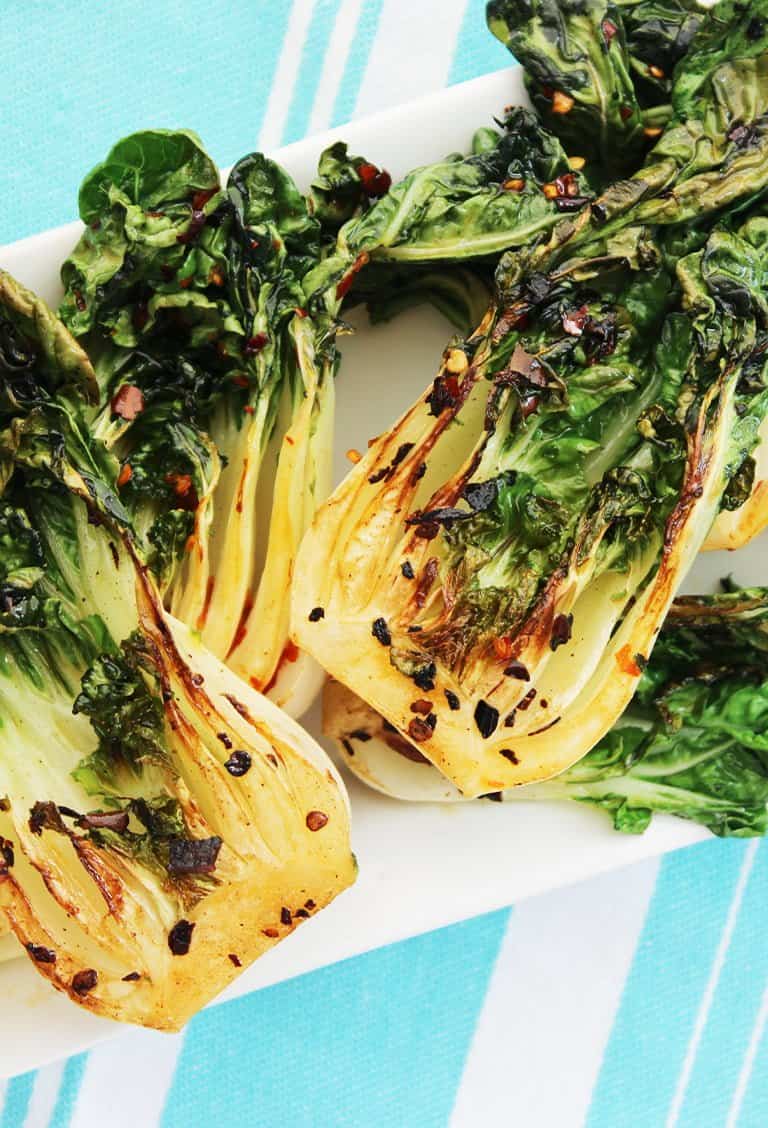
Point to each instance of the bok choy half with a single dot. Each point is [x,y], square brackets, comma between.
[693,741]
[215,388]
[161,823]
[492,576]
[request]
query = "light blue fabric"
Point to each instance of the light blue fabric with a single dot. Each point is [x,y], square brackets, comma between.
[382,1039]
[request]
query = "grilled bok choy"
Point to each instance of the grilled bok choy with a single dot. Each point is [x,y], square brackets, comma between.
[161,823]
[215,388]
[492,575]
[599,73]
[709,159]
[693,741]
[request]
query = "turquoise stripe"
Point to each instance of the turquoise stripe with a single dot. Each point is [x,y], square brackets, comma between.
[754,1110]
[16,1102]
[477,51]
[121,67]
[71,1080]
[357,61]
[663,991]
[310,68]
[345,1045]
[734,1009]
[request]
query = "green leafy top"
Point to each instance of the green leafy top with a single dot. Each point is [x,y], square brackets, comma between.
[694,742]
[578,74]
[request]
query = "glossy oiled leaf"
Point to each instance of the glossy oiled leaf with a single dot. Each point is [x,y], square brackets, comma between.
[168,824]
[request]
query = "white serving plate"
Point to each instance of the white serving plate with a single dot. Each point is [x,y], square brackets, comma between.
[423,866]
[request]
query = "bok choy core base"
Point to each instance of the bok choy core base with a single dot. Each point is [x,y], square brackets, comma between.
[693,742]
[161,823]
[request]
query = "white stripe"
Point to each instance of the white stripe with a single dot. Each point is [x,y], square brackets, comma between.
[394,74]
[545,1003]
[714,978]
[286,72]
[339,44]
[748,1063]
[130,1077]
[44,1093]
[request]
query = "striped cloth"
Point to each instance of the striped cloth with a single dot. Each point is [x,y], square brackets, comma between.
[637,1000]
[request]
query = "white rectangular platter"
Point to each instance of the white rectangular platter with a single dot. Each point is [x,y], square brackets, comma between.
[421,867]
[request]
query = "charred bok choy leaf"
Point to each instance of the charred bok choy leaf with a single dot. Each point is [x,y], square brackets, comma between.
[513,187]
[709,163]
[493,573]
[599,73]
[693,741]
[161,823]
[187,295]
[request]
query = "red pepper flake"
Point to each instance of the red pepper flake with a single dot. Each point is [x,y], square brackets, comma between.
[290,651]
[235,960]
[513,184]
[79,300]
[573,323]
[562,103]
[84,981]
[375,181]
[567,185]
[503,648]
[316,820]
[627,662]
[310,904]
[125,475]
[301,312]
[255,344]
[185,283]
[272,933]
[184,489]
[626,112]
[127,402]
[40,954]
[105,820]
[657,72]
[180,937]
[285,916]
[7,856]
[419,730]
[345,285]
[609,30]
[216,278]
[201,198]
[421,706]
[527,699]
